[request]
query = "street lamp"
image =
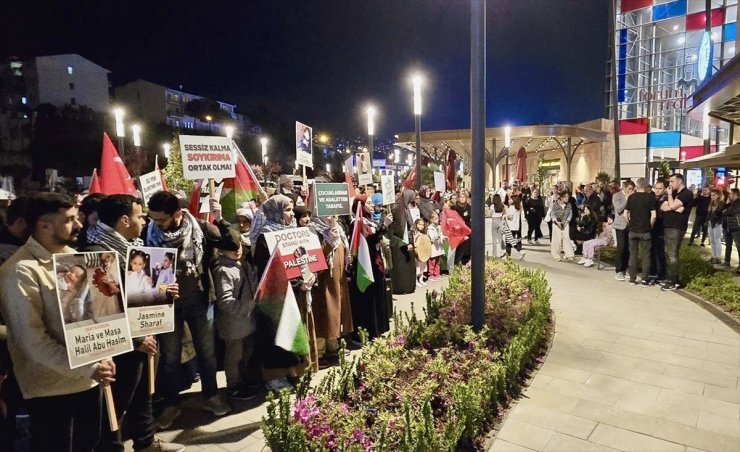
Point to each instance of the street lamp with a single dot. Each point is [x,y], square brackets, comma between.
[229,132]
[166,147]
[370,128]
[263,142]
[416,81]
[507,145]
[120,129]
[209,118]
[328,168]
[136,133]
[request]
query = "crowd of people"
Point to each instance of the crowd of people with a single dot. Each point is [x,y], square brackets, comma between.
[220,262]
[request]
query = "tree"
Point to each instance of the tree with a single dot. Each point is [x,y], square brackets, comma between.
[665,170]
[603,176]
[173,171]
[542,174]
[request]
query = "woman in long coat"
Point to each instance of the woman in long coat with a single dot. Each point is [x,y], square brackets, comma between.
[403,272]
[371,309]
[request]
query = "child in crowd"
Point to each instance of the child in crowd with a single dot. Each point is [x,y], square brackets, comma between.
[605,238]
[434,231]
[235,320]
[420,228]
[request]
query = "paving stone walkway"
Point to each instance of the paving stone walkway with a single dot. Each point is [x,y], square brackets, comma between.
[630,369]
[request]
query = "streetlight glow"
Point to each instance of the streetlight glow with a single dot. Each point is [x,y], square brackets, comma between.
[136,132]
[263,142]
[328,167]
[166,147]
[416,81]
[323,139]
[120,130]
[507,136]
[410,159]
[229,132]
[209,117]
[370,120]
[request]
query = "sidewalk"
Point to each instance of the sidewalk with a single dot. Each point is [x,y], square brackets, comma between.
[631,369]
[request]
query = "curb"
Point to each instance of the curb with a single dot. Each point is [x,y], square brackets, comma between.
[725,317]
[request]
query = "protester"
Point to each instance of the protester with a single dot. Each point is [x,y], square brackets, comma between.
[425,204]
[561,215]
[175,227]
[434,231]
[640,215]
[701,212]
[512,227]
[454,228]
[15,232]
[402,249]
[658,262]
[619,202]
[419,230]
[64,404]
[88,216]
[534,209]
[462,207]
[675,222]
[604,239]
[286,188]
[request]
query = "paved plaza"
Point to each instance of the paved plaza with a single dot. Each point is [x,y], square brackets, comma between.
[630,369]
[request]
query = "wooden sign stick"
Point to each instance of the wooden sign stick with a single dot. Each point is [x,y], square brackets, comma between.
[150,360]
[110,406]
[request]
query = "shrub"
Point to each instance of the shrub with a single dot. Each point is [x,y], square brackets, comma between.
[432,383]
[719,288]
[692,263]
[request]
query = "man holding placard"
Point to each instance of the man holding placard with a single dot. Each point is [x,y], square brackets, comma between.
[64,404]
[121,220]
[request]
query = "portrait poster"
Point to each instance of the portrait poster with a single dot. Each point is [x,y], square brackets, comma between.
[303,145]
[388,189]
[90,300]
[364,169]
[149,271]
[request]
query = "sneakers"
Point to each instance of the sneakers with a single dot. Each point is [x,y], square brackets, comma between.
[669,287]
[536,242]
[645,283]
[160,446]
[243,393]
[588,263]
[419,283]
[557,259]
[277,384]
[521,255]
[619,276]
[328,360]
[633,282]
[582,261]
[216,406]
[169,414]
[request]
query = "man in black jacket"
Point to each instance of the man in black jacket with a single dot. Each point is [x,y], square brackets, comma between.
[121,219]
[701,203]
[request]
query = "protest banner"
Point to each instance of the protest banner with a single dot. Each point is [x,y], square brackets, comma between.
[91,306]
[207,157]
[150,184]
[204,205]
[297,246]
[149,271]
[332,199]
[303,145]
[388,189]
[364,169]
[440,184]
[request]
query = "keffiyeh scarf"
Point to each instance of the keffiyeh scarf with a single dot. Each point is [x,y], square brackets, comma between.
[188,239]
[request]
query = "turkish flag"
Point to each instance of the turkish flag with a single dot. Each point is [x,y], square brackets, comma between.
[94,183]
[410,181]
[450,170]
[114,177]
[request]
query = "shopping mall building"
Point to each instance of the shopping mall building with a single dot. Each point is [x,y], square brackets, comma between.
[678,97]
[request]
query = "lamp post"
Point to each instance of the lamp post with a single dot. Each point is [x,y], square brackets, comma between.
[328,170]
[370,128]
[120,129]
[263,142]
[416,81]
[208,119]
[507,145]
[166,147]
[229,132]
[136,134]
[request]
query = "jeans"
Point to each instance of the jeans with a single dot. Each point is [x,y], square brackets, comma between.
[69,422]
[731,237]
[636,239]
[657,254]
[623,251]
[700,227]
[132,400]
[673,238]
[237,361]
[199,316]
[715,239]
[496,235]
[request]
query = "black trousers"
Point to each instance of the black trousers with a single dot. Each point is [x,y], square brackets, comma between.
[534,224]
[518,246]
[637,241]
[65,423]
[132,399]
[657,254]
[701,226]
[623,251]
[462,254]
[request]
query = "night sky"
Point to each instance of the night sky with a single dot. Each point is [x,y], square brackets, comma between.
[321,61]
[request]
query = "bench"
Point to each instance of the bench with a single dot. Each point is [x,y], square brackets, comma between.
[597,252]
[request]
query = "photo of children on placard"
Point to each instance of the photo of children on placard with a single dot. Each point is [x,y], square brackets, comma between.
[149,271]
[88,288]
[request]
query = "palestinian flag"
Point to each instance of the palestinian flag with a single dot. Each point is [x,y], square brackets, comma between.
[275,298]
[361,253]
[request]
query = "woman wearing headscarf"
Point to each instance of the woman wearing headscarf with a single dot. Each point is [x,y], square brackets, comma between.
[403,272]
[462,207]
[331,301]
[277,364]
[371,309]
[426,204]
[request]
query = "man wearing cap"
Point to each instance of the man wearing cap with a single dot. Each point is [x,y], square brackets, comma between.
[286,188]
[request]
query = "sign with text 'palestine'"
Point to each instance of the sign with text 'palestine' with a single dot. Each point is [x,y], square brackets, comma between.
[207,157]
[300,249]
[332,199]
